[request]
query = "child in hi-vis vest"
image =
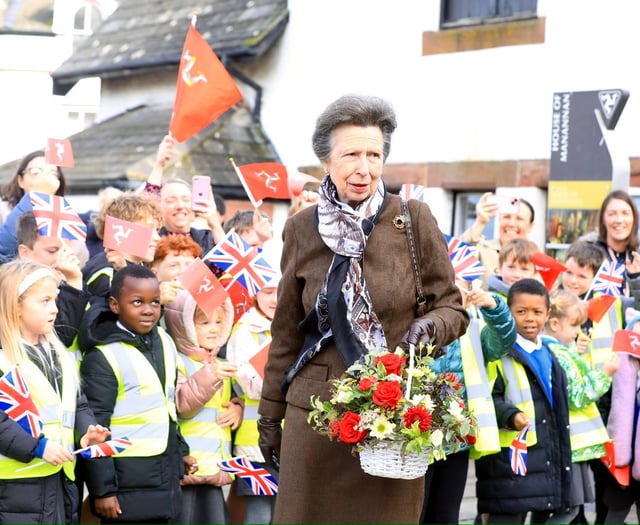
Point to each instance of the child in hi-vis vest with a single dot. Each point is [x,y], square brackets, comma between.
[529,391]
[586,385]
[37,473]
[207,411]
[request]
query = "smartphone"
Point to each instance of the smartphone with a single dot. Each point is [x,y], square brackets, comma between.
[507,203]
[200,191]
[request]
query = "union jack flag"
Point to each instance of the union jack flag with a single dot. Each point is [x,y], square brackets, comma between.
[244,262]
[609,278]
[413,191]
[466,264]
[454,244]
[56,218]
[106,449]
[18,404]
[262,483]
[518,453]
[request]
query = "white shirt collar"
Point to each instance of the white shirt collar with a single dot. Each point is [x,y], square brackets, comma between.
[527,345]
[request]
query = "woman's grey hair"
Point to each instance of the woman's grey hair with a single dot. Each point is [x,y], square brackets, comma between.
[355,110]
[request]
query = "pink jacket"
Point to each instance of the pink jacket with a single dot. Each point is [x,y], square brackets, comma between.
[193,392]
[623,405]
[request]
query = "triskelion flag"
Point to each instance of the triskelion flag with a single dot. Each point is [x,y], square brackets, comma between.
[17,403]
[204,89]
[106,449]
[243,261]
[265,179]
[609,278]
[518,453]
[56,218]
[59,153]
[262,483]
[203,286]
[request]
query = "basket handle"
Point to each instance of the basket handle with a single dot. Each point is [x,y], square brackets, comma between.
[412,355]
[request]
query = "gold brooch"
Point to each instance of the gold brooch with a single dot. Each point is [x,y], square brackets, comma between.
[399,222]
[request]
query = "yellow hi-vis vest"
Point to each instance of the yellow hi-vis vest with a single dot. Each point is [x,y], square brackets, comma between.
[586,427]
[208,441]
[478,392]
[601,347]
[518,393]
[57,412]
[143,405]
[247,433]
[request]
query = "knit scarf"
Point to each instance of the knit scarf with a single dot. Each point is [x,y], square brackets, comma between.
[343,310]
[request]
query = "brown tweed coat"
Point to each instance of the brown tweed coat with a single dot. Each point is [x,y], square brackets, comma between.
[320,481]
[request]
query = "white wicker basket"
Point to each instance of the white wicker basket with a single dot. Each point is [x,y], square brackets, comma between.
[386,460]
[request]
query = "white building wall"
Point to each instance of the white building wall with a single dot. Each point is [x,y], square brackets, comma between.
[492,104]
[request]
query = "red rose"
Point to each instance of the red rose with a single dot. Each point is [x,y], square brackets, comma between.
[419,414]
[387,393]
[348,429]
[391,362]
[366,383]
[471,439]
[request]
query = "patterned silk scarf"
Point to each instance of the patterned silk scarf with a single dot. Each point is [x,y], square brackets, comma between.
[343,311]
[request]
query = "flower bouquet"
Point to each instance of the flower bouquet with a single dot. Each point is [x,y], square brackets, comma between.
[396,412]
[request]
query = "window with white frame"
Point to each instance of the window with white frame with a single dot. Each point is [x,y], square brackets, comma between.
[465,213]
[474,12]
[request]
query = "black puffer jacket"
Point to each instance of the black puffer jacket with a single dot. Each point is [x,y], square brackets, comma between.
[546,486]
[147,488]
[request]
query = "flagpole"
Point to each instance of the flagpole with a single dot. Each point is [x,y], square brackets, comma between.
[43,462]
[255,203]
[586,295]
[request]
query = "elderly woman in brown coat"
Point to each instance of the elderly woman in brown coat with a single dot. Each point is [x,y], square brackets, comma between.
[347,286]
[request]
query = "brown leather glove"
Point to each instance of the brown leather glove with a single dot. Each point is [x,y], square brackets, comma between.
[270,438]
[422,330]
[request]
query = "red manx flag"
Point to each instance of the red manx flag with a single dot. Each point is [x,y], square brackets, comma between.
[548,268]
[627,341]
[127,237]
[240,298]
[259,360]
[204,90]
[203,286]
[598,306]
[620,473]
[265,180]
[59,153]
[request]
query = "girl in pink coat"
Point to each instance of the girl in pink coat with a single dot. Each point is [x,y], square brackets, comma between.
[207,411]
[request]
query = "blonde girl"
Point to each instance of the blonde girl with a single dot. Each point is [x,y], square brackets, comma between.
[37,473]
[586,385]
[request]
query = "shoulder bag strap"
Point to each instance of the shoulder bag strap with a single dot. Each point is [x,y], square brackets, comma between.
[421,300]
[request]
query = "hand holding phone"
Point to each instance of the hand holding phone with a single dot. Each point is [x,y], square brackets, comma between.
[200,192]
[507,203]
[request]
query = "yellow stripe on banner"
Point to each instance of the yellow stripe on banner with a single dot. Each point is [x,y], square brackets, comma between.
[581,194]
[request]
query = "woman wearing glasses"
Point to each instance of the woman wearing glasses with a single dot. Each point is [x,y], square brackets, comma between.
[33,174]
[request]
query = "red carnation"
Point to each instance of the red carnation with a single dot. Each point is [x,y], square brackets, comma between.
[471,439]
[348,428]
[387,393]
[391,362]
[419,414]
[366,383]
